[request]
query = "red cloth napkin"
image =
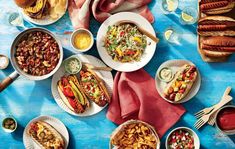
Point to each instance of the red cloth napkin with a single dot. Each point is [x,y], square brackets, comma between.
[79,10]
[135,97]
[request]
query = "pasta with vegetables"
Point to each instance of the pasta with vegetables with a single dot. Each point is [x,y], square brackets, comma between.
[125,43]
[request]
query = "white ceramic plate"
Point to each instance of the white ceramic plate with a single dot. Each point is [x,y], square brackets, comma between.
[131,66]
[175,65]
[46,21]
[57,124]
[104,75]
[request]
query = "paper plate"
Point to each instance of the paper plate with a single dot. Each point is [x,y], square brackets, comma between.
[106,76]
[45,21]
[175,65]
[57,124]
[130,66]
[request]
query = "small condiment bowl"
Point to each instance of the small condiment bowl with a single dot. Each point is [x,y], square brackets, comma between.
[6,129]
[160,78]
[227,132]
[72,39]
[195,137]
[66,67]
[4,66]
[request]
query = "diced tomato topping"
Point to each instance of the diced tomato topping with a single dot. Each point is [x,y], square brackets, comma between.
[82,73]
[122,33]
[130,52]
[34,126]
[181,91]
[179,140]
[68,92]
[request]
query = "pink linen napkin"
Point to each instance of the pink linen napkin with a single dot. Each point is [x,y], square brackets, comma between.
[79,10]
[135,97]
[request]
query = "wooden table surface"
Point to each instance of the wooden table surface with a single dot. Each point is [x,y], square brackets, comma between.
[26,99]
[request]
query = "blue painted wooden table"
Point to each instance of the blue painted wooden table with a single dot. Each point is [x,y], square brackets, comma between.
[26,99]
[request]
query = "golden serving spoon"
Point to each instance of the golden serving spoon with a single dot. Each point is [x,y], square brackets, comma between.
[141,29]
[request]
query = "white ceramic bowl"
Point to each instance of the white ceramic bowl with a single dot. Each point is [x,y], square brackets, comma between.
[73,36]
[195,137]
[129,66]
[66,67]
[4,66]
[9,130]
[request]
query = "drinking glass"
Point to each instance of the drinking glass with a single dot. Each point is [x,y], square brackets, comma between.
[171,35]
[170,6]
[189,15]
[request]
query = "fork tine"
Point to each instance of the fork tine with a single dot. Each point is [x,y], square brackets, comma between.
[197,123]
[199,112]
[212,119]
[201,125]
[199,115]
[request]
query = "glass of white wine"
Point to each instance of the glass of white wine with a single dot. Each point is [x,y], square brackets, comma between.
[169,6]
[189,15]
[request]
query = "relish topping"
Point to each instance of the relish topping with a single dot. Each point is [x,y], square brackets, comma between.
[73,65]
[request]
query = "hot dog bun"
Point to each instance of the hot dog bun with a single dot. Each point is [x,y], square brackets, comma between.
[87,79]
[57,140]
[180,86]
[212,7]
[216,26]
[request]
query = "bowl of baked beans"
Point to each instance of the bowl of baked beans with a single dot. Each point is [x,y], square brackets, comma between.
[36,53]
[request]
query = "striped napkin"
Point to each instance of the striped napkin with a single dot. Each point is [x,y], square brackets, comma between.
[80,10]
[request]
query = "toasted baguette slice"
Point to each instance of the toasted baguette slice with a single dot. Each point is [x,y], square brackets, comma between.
[54,132]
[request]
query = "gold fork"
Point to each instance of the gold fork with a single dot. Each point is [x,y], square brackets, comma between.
[200,122]
[202,112]
[212,119]
[205,111]
[90,66]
